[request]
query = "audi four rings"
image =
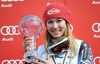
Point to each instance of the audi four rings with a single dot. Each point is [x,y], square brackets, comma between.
[12,0]
[9,30]
[17,61]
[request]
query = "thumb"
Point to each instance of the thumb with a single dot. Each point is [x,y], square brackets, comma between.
[48,57]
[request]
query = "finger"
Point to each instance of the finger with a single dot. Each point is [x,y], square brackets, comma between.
[48,57]
[28,42]
[35,62]
[25,37]
[36,57]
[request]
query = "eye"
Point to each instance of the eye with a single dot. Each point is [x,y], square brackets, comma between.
[50,21]
[59,20]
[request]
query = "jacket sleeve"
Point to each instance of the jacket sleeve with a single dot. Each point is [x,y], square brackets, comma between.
[85,54]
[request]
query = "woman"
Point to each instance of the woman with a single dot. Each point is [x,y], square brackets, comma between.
[60,46]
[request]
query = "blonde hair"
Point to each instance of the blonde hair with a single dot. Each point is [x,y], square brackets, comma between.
[72,44]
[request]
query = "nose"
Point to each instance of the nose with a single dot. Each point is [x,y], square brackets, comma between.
[55,25]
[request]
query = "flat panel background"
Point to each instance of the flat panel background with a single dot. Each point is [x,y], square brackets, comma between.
[85,23]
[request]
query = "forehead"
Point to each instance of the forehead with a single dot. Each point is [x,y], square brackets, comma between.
[55,19]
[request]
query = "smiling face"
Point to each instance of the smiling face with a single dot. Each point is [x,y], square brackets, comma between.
[56,27]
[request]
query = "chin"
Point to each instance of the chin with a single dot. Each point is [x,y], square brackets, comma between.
[56,36]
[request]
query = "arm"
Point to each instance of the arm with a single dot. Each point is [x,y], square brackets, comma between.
[85,54]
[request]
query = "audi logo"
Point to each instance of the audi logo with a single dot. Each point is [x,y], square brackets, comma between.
[94,61]
[17,61]
[9,30]
[12,0]
[96,27]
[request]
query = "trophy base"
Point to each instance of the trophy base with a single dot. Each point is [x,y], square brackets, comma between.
[29,58]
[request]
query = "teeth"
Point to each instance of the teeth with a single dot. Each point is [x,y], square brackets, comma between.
[56,31]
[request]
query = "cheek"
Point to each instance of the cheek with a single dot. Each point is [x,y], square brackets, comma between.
[63,26]
[48,27]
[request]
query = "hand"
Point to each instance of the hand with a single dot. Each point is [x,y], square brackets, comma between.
[42,61]
[27,41]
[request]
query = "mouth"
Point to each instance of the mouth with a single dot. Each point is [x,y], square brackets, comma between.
[56,31]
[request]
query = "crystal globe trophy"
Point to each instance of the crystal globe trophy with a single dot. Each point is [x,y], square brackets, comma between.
[32,27]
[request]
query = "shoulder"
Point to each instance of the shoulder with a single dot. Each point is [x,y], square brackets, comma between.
[81,43]
[85,45]
[78,42]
